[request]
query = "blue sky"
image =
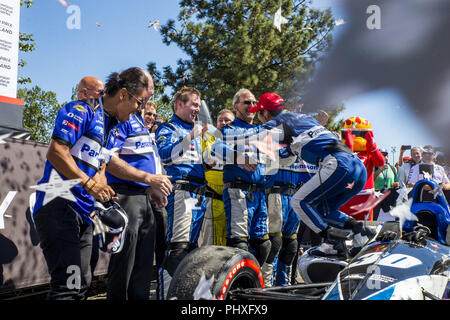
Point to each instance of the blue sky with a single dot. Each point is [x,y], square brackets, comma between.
[64,56]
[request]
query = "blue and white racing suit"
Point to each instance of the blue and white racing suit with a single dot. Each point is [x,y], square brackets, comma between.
[243,196]
[183,161]
[283,222]
[341,174]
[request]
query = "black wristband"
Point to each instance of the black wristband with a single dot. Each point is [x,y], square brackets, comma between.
[84,184]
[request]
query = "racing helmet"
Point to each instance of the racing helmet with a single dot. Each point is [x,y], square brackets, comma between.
[111,223]
[358,127]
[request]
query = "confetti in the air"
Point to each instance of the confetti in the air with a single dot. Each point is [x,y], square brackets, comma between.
[278,20]
[339,22]
[403,213]
[155,25]
[64,3]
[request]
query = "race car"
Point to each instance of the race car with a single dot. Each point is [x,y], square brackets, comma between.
[412,262]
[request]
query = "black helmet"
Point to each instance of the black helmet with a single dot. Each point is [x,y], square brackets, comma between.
[110,226]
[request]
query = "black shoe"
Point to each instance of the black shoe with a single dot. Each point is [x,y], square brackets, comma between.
[335,234]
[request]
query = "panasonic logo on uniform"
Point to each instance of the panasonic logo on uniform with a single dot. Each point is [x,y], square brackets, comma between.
[140,144]
[313,133]
[90,152]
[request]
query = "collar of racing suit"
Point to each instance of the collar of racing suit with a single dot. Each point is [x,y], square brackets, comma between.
[176,119]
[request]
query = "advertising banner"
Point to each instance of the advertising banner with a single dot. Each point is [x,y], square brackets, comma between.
[9,46]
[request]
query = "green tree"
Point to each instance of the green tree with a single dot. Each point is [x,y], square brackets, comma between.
[41,108]
[233,44]
[334,124]
[26,44]
[161,99]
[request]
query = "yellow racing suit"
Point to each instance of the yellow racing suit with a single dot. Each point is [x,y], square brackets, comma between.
[214,229]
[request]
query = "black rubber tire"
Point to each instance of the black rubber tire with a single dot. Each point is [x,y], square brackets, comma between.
[231,267]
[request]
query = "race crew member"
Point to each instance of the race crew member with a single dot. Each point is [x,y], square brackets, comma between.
[341,174]
[357,134]
[283,222]
[131,173]
[91,88]
[179,147]
[243,194]
[214,229]
[82,129]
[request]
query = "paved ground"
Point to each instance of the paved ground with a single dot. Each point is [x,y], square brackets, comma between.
[99,293]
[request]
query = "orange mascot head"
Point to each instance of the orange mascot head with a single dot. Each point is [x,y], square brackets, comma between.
[358,128]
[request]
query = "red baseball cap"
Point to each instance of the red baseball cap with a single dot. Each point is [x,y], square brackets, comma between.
[268,101]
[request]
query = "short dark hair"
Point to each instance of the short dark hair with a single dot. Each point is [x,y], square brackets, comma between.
[133,79]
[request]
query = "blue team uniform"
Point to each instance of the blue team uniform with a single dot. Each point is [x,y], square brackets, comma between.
[81,127]
[283,221]
[243,195]
[135,147]
[183,161]
[64,226]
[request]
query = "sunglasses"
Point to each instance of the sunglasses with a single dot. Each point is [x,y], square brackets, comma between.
[426,153]
[100,92]
[249,102]
[141,103]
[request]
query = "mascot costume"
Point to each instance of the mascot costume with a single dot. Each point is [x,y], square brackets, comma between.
[357,134]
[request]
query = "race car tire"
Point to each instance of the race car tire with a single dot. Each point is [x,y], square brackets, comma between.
[232,268]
